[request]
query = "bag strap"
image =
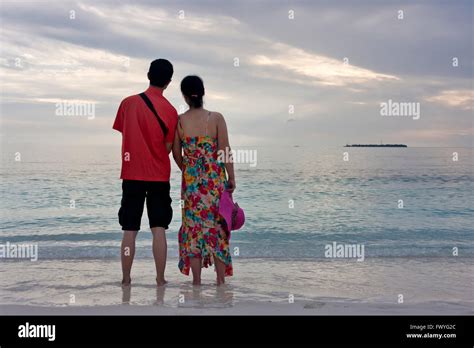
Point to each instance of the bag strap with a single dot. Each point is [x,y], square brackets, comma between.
[152,108]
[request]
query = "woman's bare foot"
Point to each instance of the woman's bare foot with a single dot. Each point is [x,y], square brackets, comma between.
[161,282]
[126,282]
[197,282]
[220,281]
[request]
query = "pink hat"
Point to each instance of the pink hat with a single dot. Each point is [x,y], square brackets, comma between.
[231,212]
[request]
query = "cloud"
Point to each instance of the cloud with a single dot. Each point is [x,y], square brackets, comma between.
[139,17]
[317,69]
[461,99]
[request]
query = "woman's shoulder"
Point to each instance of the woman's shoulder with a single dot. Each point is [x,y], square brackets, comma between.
[183,114]
[217,115]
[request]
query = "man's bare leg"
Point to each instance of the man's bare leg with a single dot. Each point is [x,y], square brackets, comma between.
[127,252]
[196,269]
[160,250]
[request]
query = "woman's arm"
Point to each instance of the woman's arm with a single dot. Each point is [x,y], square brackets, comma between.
[223,145]
[177,151]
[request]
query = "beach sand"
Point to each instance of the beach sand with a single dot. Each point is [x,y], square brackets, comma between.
[429,286]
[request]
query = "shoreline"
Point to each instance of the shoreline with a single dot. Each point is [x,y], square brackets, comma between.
[428,286]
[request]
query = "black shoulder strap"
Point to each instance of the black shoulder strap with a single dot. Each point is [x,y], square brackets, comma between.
[152,108]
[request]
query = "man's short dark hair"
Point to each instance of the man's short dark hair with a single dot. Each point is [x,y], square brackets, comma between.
[160,73]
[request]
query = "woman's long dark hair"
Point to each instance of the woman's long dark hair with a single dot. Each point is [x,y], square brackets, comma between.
[193,88]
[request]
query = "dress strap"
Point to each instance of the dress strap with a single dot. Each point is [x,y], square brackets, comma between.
[207,122]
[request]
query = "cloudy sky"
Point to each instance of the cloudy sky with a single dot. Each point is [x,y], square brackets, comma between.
[330,62]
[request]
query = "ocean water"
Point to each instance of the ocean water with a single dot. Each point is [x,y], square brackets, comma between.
[296,200]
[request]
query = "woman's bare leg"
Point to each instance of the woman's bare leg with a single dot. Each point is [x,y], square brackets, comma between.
[196,269]
[220,270]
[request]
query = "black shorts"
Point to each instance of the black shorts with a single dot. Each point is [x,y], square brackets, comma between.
[158,204]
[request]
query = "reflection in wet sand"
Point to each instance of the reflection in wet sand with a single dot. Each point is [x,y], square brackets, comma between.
[160,295]
[126,294]
[206,296]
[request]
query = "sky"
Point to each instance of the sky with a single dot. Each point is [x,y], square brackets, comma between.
[281,72]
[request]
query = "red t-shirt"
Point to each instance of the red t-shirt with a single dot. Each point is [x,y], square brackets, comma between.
[144,154]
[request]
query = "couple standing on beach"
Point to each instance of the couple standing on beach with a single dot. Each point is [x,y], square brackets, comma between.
[151,129]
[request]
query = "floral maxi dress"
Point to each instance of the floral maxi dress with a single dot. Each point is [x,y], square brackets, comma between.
[202,233]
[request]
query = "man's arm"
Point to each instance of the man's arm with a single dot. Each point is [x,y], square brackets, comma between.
[118,124]
[177,150]
[170,137]
[169,147]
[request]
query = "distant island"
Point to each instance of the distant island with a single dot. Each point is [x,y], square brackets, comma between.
[376,145]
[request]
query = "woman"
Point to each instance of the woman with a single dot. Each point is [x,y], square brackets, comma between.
[203,240]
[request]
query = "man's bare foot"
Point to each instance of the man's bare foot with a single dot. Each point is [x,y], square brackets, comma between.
[126,282]
[220,282]
[161,282]
[197,282]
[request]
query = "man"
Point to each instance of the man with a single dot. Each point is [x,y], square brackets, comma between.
[147,123]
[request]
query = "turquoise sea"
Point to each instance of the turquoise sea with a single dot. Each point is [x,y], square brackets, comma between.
[296,200]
